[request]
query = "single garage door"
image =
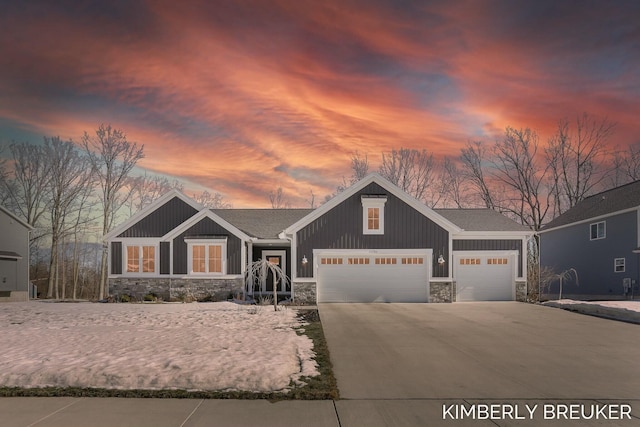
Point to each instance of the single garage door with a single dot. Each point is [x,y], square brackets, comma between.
[372,277]
[484,276]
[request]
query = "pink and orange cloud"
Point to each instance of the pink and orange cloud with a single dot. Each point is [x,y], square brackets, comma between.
[244,97]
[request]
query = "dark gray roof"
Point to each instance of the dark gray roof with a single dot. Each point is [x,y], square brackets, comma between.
[614,200]
[480,220]
[262,223]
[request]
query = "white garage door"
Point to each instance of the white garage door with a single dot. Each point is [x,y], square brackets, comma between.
[372,277]
[484,277]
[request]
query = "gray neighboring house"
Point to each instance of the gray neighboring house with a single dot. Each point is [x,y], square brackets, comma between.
[597,238]
[14,257]
[371,243]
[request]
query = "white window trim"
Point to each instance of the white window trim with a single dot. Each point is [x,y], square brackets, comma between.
[624,265]
[139,244]
[604,226]
[372,202]
[206,242]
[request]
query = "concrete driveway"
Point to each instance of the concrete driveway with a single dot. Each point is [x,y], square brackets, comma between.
[504,351]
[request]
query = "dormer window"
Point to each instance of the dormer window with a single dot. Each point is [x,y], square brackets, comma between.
[373,214]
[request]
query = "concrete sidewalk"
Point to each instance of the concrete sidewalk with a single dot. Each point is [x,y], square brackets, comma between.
[119,412]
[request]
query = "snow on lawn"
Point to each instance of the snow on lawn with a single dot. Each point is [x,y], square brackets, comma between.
[626,310]
[206,346]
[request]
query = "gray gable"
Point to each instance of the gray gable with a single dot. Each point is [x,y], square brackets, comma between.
[262,223]
[614,200]
[480,220]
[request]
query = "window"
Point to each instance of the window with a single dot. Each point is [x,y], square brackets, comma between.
[373,214]
[414,260]
[358,261]
[497,261]
[207,256]
[598,230]
[141,259]
[331,261]
[618,265]
[386,260]
[206,259]
[469,261]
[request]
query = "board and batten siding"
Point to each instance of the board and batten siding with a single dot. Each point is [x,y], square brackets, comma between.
[116,258]
[207,227]
[162,220]
[341,228]
[491,245]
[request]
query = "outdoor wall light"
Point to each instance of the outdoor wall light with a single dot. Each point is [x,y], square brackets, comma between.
[304,260]
[440,259]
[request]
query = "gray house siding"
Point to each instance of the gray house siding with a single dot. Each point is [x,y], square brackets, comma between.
[165,258]
[341,228]
[207,227]
[571,247]
[162,220]
[491,245]
[116,257]
[14,270]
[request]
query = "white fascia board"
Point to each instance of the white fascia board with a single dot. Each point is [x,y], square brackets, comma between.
[152,207]
[205,213]
[267,242]
[592,219]
[393,189]
[493,235]
[15,218]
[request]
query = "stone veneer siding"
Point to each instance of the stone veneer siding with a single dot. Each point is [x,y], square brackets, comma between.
[441,291]
[521,291]
[176,289]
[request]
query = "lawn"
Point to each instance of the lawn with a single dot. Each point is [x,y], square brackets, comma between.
[173,350]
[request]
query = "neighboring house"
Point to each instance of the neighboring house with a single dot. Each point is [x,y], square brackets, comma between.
[14,257]
[597,238]
[373,242]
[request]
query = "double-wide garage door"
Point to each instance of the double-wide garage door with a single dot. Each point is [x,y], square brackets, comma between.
[372,277]
[484,277]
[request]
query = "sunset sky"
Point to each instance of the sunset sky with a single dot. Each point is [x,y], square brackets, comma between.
[242,97]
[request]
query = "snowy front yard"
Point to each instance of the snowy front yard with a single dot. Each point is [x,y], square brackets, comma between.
[626,310]
[206,346]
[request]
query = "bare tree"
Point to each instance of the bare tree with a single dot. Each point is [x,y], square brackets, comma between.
[145,189]
[69,175]
[112,158]
[24,183]
[453,184]
[577,156]
[312,200]
[411,170]
[212,201]
[517,166]
[278,199]
[474,164]
[626,165]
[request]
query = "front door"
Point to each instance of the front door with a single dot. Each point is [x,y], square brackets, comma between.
[277,258]
[272,280]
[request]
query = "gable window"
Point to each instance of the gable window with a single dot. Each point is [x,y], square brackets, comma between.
[141,259]
[598,230]
[207,256]
[618,265]
[373,214]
